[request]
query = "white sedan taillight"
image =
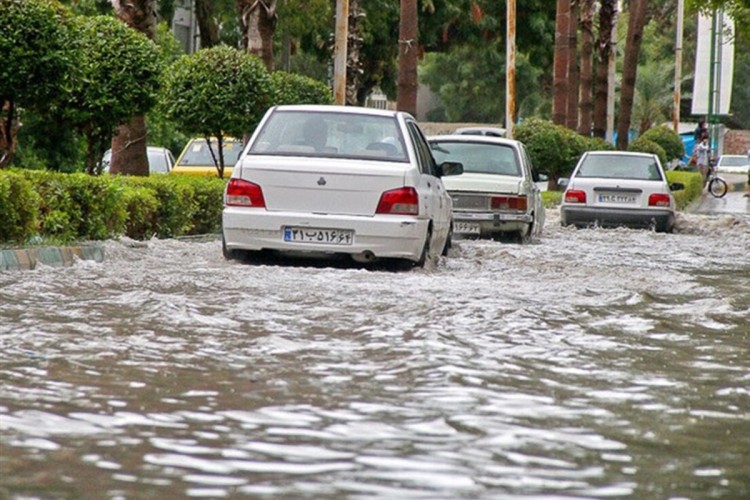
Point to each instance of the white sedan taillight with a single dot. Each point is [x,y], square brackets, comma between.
[402,201]
[242,193]
[658,200]
[575,196]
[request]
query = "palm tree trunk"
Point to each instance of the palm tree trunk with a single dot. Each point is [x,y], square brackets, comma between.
[406,100]
[607,24]
[129,142]
[586,104]
[573,71]
[636,23]
[560,63]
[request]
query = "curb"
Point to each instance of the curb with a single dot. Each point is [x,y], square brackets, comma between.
[29,258]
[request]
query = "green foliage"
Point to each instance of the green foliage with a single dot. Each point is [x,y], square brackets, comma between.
[469,84]
[120,70]
[645,145]
[80,207]
[668,139]
[35,55]
[19,205]
[555,149]
[693,182]
[291,88]
[216,92]
[77,206]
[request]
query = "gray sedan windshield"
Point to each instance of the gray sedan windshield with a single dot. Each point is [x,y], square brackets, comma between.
[478,157]
[620,167]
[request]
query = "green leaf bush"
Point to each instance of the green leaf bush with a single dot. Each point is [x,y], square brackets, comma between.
[553,148]
[668,139]
[292,88]
[644,145]
[80,207]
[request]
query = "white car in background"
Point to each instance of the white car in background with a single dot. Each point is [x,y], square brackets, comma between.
[497,195]
[618,188]
[733,164]
[325,181]
[160,160]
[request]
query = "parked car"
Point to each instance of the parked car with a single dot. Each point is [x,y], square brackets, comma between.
[617,188]
[491,131]
[197,158]
[497,195]
[160,160]
[733,164]
[338,180]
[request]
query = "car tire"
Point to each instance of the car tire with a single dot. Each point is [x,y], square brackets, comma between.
[425,249]
[448,242]
[230,254]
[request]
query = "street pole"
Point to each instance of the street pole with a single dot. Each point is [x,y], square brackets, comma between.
[340,51]
[678,66]
[510,69]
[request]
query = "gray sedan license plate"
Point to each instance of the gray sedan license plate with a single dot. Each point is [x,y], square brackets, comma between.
[318,235]
[466,228]
[617,198]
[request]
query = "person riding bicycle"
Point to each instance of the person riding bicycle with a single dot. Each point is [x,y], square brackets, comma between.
[703,157]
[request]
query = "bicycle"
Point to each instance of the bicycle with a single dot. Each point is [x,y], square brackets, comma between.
[717,186]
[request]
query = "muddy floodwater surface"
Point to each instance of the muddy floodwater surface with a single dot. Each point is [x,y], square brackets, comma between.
[589,364]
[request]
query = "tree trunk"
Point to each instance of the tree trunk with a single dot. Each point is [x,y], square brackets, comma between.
[353,48]
[586,105]
[209,31]
[258,23]
[129,143]
[560,63]
[406,100]
[607,23]
[8,132]
[571,120]
[636,22]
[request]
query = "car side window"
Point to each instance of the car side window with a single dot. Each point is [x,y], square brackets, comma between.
[424,155]
[529,168]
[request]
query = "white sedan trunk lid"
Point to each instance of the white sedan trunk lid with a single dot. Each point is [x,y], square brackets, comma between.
[322,185]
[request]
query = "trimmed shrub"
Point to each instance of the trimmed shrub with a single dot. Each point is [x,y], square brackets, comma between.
[693,182]
[78,206]
[292,88]
[208,196]
[644,145]
[668,139]
[19,206]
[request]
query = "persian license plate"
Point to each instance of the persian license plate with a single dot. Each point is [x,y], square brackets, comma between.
[466,227]
[616,198]
[318,235]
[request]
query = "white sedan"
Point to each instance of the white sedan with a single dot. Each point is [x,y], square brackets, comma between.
[733,164]
[324,181]
[618,188]
[497,195]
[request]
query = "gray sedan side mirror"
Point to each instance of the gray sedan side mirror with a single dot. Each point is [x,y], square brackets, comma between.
[676,186]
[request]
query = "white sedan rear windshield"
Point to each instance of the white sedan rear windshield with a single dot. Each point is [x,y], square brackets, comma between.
[331,135]
[620,167]
[733,161]
[478,157]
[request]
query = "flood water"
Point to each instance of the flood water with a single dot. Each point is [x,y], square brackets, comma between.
[592,364]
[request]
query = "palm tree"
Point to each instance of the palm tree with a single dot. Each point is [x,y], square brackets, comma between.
[636,22]
[574,73]
[586,78]
[560,64]
[604,48]
[130,140]
[406,99]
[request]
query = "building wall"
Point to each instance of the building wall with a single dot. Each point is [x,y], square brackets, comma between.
[737,142]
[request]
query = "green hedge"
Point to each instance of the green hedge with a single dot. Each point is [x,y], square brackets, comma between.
[693,182]
[79,207]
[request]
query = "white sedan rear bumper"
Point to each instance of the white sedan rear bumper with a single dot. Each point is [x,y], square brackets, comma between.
[382,236]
